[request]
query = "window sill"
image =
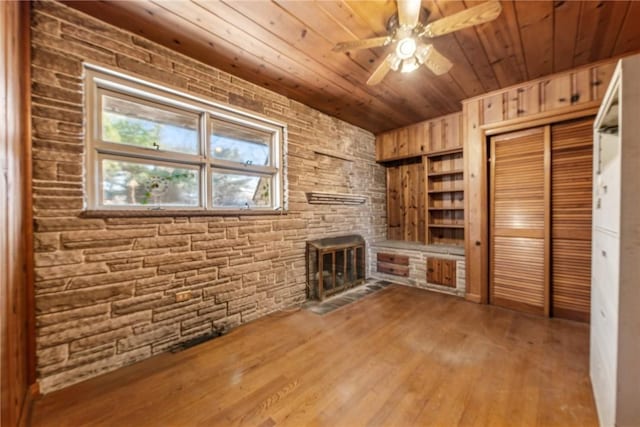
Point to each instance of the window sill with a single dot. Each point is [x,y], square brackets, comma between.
[107,213]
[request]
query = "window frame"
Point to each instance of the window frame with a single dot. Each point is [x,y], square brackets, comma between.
[154,162]
[101,81]
[101,143]
[238,172]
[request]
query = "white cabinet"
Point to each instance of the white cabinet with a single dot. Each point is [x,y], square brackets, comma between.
[615,270]
[606,215]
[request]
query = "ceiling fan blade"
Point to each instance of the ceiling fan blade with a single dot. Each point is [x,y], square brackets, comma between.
[436,62]
[382,70]
[408,12]
[362,44]
[480,14]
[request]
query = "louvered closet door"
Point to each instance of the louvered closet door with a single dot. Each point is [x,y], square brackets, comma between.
[571,177]
[518,217]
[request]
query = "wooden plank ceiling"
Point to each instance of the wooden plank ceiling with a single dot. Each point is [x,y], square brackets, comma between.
[285,45]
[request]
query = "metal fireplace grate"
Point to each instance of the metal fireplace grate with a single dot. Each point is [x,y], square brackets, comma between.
[334,264]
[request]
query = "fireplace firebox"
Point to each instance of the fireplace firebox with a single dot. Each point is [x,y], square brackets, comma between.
[334,264]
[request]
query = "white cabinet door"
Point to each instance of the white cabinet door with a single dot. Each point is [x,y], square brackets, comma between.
[606,215]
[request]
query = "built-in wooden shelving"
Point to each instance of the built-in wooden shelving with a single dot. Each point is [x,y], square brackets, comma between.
[450,190]
[445,196]
[425,195]
[451,172]
[445,152]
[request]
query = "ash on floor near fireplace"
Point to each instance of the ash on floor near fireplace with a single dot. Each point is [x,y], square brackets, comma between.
[330,304]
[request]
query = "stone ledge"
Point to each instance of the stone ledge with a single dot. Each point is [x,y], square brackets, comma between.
[419,247]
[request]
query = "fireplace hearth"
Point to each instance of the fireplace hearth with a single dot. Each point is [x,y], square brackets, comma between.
[334,264]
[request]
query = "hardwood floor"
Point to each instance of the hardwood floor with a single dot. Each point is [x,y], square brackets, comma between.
[400,357]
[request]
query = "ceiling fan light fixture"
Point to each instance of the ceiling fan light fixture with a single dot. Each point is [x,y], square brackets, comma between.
[409,65]
[406,48]
[409,33]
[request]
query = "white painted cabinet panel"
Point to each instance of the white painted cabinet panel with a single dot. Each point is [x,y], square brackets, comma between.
[615,261]
[606,215]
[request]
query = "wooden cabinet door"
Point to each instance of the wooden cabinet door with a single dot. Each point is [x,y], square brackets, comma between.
[441,272]
[571,189]
[519,220]
[406,210]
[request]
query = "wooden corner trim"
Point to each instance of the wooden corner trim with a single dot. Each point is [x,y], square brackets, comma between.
[473,298]
[32,393]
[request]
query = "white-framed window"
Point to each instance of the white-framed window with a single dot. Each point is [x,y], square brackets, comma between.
[151,147]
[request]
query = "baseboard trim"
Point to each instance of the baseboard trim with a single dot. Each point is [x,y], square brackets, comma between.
[32,393]
[473,298]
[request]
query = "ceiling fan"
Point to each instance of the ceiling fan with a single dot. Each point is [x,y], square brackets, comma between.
[410,37]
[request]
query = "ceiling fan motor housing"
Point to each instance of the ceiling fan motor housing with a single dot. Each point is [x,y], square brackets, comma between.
[393,23]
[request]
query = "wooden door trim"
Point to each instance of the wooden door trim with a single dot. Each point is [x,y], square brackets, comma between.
[542,119]
[492,200]
[547,220]
[515,134]
[426,197]
[25,12]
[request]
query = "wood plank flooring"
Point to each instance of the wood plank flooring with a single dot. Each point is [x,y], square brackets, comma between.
[399,357]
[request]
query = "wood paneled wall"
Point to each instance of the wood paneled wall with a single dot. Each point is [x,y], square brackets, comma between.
[406,201]
[15,208]
[563,96]
[424,181]
[430,136]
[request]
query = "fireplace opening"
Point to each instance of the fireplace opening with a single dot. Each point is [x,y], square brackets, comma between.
[334,264]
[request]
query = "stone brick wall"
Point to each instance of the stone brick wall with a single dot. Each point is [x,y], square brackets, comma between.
[105,288]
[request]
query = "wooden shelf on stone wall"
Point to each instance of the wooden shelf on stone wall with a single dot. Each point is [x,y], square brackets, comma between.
[319,198]
[334,154]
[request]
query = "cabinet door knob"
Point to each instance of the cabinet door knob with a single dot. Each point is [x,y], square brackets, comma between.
[477,242]
[604,253]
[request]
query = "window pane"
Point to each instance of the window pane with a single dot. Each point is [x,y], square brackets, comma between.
[127,183]
[239,143]
[241,191]
[138,124]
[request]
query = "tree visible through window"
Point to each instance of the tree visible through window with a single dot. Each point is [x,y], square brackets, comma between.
[150,153]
